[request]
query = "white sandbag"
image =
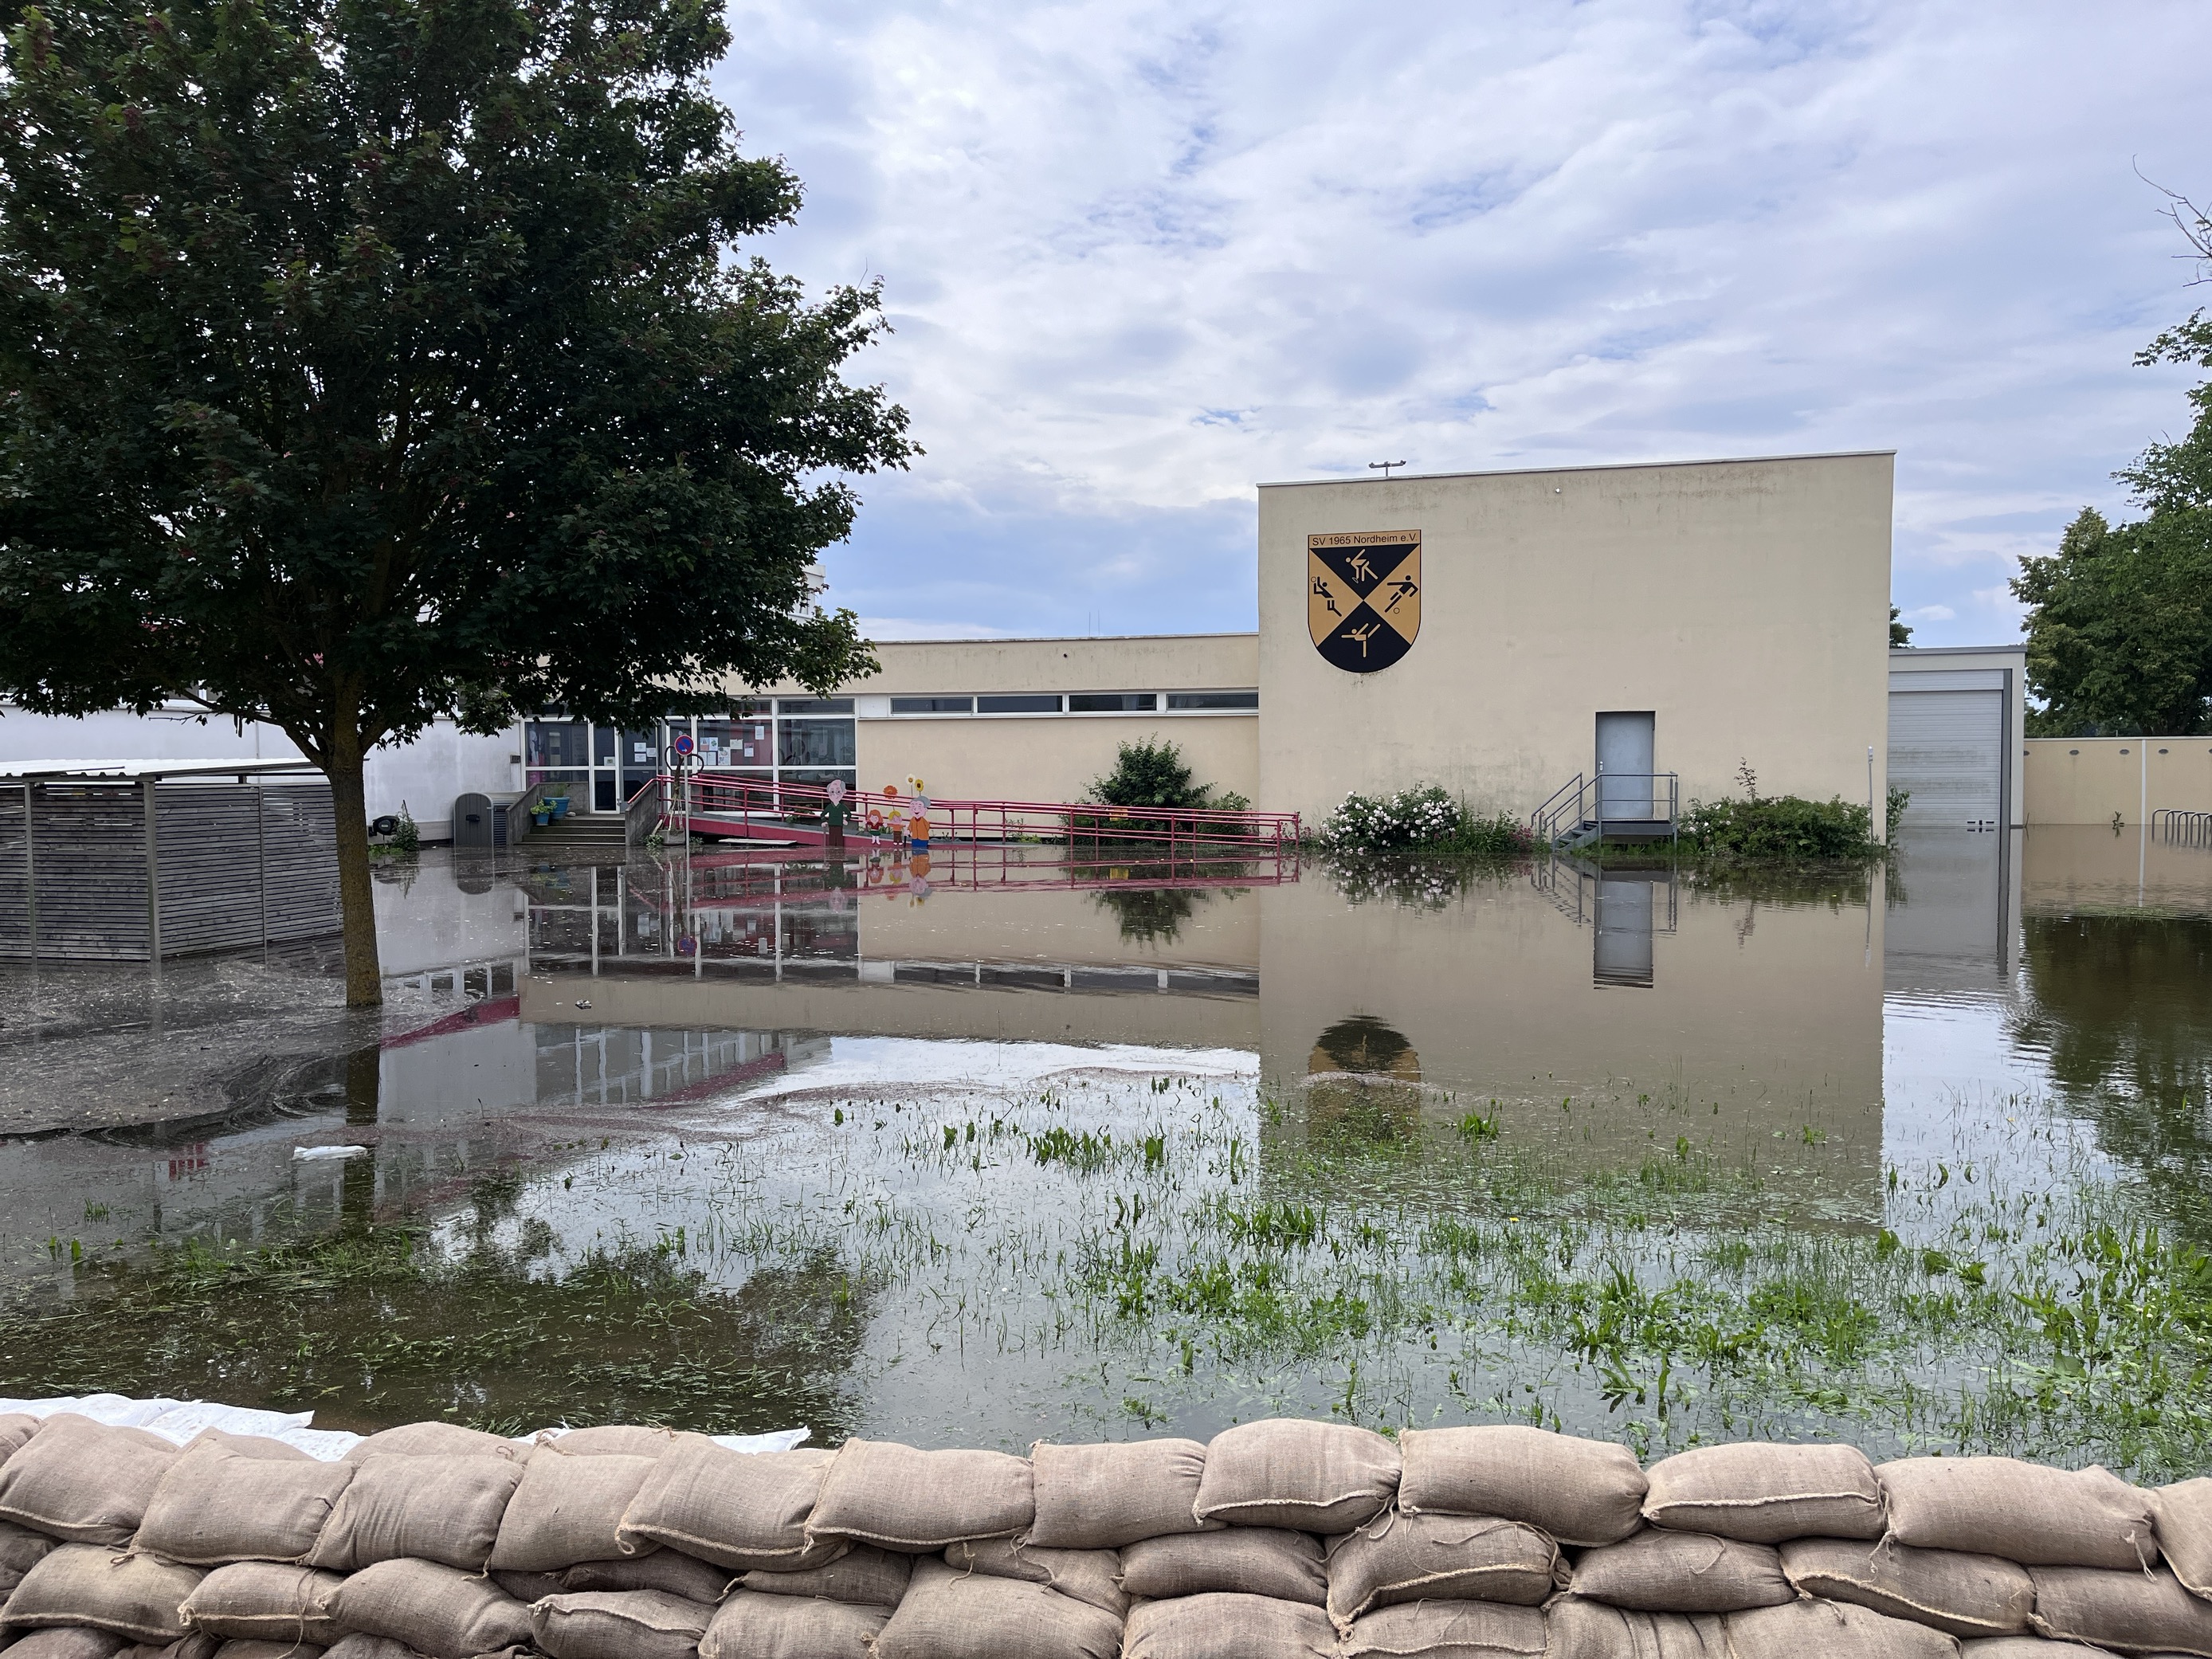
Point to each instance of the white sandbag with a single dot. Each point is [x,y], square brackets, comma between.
[1581,1491]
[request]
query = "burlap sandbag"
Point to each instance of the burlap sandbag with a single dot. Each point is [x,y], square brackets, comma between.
[132,1596]
[438,1440]
[2184,1513]
[1764,1493]
[620,1624]
[194,1645]
[438,1611]
[1663,1572]
[967,1615]
[360,1645]
[264,1600]
[21,1549]
[249,1445]
[1091,1576]
[618,1439]
[1268,1561]
[15,1428]
[2131,1612]
[1831,1629]
[67,1642]
[1102,1497]
[1447,1630]
[1222,1626]
[2028,1647]
[1593,1629]
[738,1509]
[1965,1595]
[1581,1491]
[1286,1472]
[879,1491]
[672,1570]
[864,1574]
[753,1626]
[1439,1557]
[566,1510]
[528,1587]
[82,1481]
[2024,1512]
[218,1505]
[423,1508]
[244,1648]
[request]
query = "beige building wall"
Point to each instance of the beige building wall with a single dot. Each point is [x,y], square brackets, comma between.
[2090,780]
[1745,603]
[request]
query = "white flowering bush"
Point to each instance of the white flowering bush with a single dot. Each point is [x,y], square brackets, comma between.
[1421,819]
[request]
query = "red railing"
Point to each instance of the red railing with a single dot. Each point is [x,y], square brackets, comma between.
[723,804]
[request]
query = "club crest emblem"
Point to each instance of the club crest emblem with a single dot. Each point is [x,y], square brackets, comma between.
[1363,597]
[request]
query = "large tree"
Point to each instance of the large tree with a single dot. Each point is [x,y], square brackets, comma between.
[367,360]
[2119,618]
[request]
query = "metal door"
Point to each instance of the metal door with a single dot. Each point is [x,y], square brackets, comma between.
[1624,765]
[1947,749]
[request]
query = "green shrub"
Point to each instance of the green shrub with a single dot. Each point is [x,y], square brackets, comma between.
[1153,773]
[1781,827]
[1421,819]
[1894,814]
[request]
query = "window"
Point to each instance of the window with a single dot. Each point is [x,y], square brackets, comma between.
[1213,699]
[933,705]
[1024,702]
[813,705]
[814,743]
[1113,702]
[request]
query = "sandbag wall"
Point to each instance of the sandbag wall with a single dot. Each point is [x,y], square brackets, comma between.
[1280,1540]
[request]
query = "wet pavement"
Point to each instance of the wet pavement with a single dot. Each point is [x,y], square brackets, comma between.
[996,1150]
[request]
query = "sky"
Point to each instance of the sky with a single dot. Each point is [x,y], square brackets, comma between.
[1138,257]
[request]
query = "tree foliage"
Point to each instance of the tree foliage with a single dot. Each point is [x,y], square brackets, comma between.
[2119,624]
[367,360]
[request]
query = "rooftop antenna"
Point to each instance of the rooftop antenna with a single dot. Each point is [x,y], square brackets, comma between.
[1383,467]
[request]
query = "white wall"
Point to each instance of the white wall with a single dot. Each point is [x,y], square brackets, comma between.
[425,774]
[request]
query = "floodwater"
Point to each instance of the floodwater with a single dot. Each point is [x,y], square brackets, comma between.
[997,1151]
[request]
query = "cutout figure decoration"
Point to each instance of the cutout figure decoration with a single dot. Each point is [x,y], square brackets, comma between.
[1363,597]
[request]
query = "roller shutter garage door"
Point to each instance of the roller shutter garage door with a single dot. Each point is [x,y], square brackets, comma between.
[1948,748]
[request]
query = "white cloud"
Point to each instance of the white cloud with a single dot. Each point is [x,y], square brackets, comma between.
[1929,613]
[917,628]
[1140,256]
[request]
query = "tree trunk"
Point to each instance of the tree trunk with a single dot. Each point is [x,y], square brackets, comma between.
[356,893]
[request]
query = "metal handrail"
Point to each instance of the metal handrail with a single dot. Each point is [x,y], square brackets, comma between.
[1569,805]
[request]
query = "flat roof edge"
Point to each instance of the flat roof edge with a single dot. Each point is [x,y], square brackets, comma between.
[1587,466]
[1954,650]
[1076,638]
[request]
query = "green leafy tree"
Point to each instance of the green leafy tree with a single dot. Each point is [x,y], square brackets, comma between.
[1901,633]
[1153,773]
[371,360]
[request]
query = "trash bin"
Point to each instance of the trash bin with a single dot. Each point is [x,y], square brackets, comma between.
[485,822]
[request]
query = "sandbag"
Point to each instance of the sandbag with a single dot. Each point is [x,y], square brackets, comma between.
[1447,1629]
[243,1648]
[1581,1491]
[249,1445]
[191,1646]
[135,1596]
[15,1428]
[1091,1576]
[967,1615]
[1592,1629]
[2027,1647]
[1831,1629]
[1445,1558]
[618,1439]
[2133,1612]
[67,1642]
[1263,1561]
[218,1504]
[2183,1517]
[438,1440]
[877,1492]
[864,1574]
[1311,1477]
[1965,1595]
[2024,1512]
[738,1509]
[264,1600]
[1764,1493]
[21,1549]
[620,1624]
[1226,1625]
[753,1626]
[404,1506]
[1102,1497]
[437,1610]
[672,1570]
[82,1481]
[528,1587]
[360,1645]
[567,1509]
[1663,1572]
